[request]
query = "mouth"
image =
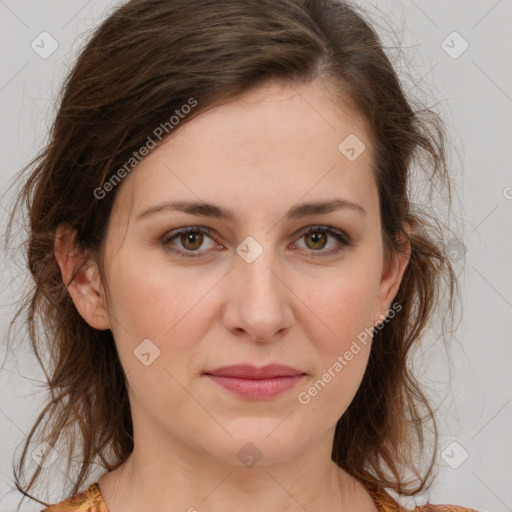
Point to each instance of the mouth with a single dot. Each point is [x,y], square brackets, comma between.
[256,383]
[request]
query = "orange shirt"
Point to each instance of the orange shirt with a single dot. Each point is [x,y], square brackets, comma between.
[91,501]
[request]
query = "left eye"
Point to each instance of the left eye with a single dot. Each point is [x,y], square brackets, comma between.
[192,238]
[316,238]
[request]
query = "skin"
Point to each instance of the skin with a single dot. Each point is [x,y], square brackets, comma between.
[258,155]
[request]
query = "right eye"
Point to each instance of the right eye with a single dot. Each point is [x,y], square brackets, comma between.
[191,239]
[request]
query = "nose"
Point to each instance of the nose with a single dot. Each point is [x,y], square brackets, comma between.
[258,301]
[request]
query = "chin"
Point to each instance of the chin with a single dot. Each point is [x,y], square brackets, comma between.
[258,449]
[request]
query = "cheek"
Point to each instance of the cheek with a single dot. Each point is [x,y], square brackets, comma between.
[163,305]
[342,320]
[147,299]
[342,305]
[152,303]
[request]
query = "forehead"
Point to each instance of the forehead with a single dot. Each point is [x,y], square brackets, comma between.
[269,146]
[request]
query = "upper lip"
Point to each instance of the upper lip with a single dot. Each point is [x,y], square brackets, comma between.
[248,371]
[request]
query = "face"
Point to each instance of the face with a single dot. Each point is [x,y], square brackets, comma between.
[252,287]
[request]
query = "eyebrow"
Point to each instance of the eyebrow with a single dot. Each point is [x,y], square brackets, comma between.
[206,209]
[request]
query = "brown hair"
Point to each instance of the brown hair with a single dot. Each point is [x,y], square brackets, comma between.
[145,61]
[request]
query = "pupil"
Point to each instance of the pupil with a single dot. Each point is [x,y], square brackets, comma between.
[192,238]
[316,237]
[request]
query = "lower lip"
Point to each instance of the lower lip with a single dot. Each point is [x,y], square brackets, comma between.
[257,389]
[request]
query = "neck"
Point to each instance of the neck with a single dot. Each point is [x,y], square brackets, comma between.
[197,483]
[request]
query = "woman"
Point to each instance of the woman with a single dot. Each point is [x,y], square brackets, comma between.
[229,270]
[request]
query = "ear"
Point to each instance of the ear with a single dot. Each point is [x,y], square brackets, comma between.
[392,273]
[86,289]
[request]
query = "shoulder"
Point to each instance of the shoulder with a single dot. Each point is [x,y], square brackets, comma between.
[444,508]
[89,500]
[385,503]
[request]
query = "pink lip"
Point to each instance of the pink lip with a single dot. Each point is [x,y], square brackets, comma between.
[248,371]
[256,383]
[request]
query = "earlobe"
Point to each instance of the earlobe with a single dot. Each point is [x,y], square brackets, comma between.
[86,288]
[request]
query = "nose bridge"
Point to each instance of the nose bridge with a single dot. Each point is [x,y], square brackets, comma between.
[258,277]
[261,306]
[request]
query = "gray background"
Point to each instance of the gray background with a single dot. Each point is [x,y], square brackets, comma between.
[473,93]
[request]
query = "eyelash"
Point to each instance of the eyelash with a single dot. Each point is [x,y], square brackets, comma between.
[340,236]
